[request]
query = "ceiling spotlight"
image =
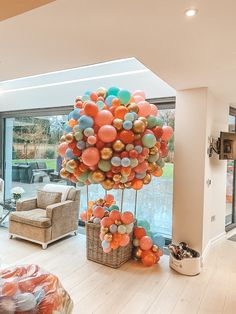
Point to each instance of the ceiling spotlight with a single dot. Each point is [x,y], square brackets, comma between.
[191,12]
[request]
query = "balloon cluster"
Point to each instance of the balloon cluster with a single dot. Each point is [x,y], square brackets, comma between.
[116,227]
[145,250]
[114,138]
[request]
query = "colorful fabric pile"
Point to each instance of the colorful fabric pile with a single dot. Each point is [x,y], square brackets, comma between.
[30,290]
[114,138]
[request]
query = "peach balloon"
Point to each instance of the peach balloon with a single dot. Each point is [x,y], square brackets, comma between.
[139,93]
[138,98]
[90,156]
[98,212]
[125,239]
[137,184]
[145,243]
[127,218]
[107,221]
[107,133]
[92,140]
[154,110]
[62,149]
[144,109]
[104,117]
[115,215]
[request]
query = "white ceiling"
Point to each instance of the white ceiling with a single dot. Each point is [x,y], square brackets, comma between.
[185,52]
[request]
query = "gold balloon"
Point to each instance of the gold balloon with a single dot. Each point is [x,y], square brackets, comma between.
[64,162]
[118,222]
[98,176]
[153,150]
[121,186]
[107,184]
[133,108]
[137,252]
[108,237]
[118,146]
[118,124]
[63,139]
[64,173]
[99,202]
[128,185]
[72,163]
[139,126]
[102,92]
[69,138]
[106,153]
[104,229]
[117,177]
[152,166]
[147,179]
[144,120]
[155,248]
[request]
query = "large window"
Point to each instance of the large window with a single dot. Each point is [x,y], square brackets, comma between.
[31,161]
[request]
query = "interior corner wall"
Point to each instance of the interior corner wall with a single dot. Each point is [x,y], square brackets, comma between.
[198,115]
[188,198]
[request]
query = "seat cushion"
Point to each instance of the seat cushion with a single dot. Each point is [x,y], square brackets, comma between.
[35,217]
[45,198]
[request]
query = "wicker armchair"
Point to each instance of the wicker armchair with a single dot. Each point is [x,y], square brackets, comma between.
[46,225]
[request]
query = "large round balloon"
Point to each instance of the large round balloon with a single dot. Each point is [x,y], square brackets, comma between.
[114,138]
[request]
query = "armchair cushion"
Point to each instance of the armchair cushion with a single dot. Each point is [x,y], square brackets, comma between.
[36,217]
[63,189]
[45,198]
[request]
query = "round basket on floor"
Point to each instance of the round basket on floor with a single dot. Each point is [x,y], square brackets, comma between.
[95,253]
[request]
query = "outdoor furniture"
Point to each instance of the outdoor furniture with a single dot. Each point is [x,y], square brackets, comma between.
[8,206]
[51,215]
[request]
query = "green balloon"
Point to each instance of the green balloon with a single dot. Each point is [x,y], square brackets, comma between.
[124,96]
[149,140]
[113,91]
[83,176]
[160,122]
[133,162]
[152,122]
[153,158]
[90,178]
[160,162]
[104,165]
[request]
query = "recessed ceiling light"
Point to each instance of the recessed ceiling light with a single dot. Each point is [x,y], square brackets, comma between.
[191,12]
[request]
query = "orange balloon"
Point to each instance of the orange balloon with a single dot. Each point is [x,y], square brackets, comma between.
[126,171]
[120,112]
[91,109]
[115,215]
[127,136]
[116,102]
[149,259]
[91,156]
[117,237]
[104,117]
[139,232]
[127,218]
[114,244]
[158,172]
[137,184]
[72,122]
[125,239]
[107,221]
[98,212]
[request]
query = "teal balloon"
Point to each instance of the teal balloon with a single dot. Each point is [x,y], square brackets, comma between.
[149,140]
[100,104]
[76,128]
[160,122]
[152,122]
[85,98]
[129,116]
[114,207]
[104,165]
[85,122]
[88,92]
[124,96]
[113,91]
[158,240]
[145,224]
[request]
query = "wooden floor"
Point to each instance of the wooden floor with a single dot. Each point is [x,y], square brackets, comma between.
[132,288]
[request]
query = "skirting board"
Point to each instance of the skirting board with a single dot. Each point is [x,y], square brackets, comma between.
[212,242]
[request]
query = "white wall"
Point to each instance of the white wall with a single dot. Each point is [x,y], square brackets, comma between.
[198,115]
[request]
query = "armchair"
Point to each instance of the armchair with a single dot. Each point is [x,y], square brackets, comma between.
[43,223]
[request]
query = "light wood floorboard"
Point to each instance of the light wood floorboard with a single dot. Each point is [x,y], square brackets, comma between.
[132,289]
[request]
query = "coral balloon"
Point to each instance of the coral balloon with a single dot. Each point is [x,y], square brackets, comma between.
[115,215]
[103,117]
[127,218]
[62,149]
[127,136]
[145,243]
[167,133]
[107,133]
[91,109]
[139,232]
[149,259]
[90,156]
[154,110]
[98,212]
[137,184]
[139,93]
[120,112]
[107,221]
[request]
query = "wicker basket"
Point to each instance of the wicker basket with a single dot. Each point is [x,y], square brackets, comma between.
[95,253]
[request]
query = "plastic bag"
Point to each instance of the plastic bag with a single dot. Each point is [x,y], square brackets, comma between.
[31,290]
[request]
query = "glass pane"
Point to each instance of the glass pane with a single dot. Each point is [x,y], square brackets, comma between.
[230,180]
[31,153]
